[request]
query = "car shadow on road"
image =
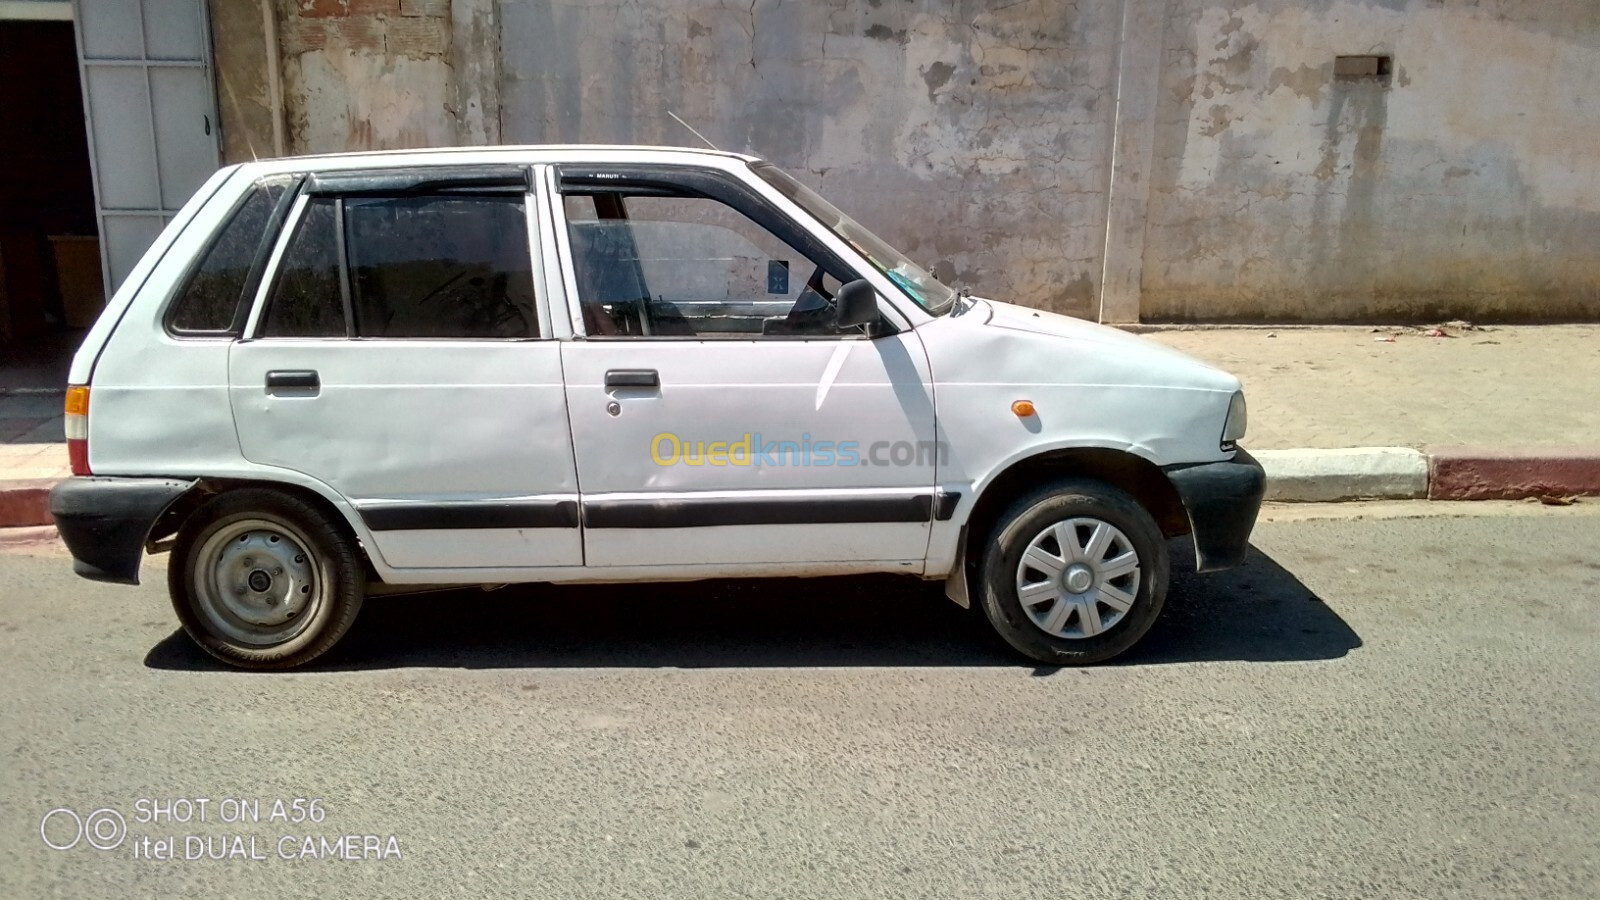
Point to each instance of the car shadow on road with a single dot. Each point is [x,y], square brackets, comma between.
[1259,612]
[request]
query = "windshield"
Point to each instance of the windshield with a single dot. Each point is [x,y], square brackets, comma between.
[916,282]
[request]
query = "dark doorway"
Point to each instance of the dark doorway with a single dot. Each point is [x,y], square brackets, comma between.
[50,282]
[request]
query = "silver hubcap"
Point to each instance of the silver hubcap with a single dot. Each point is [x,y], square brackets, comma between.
[1078,578]
[256,583]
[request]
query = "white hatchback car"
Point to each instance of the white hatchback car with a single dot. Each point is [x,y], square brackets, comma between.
[342,375]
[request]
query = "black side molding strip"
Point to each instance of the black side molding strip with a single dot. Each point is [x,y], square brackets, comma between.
[458,516]
[776,511]
[945,504]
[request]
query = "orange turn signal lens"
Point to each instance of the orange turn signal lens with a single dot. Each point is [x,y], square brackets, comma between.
[77,401]
[76,425]
[1023,408]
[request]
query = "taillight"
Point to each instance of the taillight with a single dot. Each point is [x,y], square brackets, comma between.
[78,429]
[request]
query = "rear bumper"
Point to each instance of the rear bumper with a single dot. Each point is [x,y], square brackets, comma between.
[105,521]
[1222,499]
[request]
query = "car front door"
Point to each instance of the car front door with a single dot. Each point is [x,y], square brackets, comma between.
[718,415]
[400,355]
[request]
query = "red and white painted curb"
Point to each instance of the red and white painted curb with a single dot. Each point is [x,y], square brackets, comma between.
[1440,473]
[1302,476]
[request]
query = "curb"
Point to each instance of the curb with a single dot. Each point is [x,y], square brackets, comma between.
[25,503]
[30,536]
[1439,473]
[1293,476]
[1468,473]
[1362,473]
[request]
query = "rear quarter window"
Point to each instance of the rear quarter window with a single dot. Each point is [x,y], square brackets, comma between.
[308,297]
[214,298]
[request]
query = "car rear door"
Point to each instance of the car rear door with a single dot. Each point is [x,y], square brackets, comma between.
[399,353]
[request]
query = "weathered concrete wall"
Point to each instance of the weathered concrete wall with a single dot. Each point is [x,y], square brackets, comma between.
[245,102]
[972,135]
[367,74]
[1467,185]
[355,74]
[1155,159]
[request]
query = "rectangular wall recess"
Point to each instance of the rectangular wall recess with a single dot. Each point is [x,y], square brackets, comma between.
[1363,67]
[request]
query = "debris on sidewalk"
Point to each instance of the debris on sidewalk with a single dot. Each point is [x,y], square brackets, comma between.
[1451,329]
[1558,501]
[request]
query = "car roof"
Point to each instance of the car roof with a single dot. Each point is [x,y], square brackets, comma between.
[522,154]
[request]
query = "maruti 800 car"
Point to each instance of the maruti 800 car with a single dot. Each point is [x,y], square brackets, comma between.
[341,375]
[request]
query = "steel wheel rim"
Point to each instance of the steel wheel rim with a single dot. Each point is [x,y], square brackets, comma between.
[1078,578]
[255,582]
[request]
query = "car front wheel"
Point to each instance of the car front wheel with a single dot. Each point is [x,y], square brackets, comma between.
[264,580]
[1075,574]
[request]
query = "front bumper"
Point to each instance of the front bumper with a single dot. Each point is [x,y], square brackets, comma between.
[1222,499]
[105,521]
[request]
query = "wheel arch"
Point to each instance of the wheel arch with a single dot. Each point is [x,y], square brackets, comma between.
[1129,472]
[207,487]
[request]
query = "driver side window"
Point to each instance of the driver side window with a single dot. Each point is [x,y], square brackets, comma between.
[652,265]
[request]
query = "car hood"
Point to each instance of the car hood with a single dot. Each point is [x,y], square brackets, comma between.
[1114,341]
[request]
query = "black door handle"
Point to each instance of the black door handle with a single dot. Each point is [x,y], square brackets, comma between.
[632,378]
[303,379]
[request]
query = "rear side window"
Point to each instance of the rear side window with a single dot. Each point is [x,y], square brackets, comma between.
[214,298]
[440,267]
[444,265]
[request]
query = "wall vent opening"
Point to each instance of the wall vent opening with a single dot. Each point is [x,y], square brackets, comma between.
[1363,67]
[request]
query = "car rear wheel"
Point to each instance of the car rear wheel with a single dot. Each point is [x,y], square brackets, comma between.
[264,580]
[1076,573]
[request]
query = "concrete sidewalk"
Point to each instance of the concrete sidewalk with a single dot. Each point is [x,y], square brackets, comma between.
[33,454]
[1457,413]
[1335,413]
[1523,386]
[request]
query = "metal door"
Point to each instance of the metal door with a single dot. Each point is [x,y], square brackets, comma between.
[152,124]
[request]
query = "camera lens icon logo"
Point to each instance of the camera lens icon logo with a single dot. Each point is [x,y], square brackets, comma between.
[63,829]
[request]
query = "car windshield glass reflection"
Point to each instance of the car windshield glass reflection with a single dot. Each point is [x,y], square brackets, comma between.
[913,280]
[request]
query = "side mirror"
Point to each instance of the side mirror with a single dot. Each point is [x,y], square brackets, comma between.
[855,304]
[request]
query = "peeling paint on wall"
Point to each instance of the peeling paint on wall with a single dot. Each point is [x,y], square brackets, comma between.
[367,74]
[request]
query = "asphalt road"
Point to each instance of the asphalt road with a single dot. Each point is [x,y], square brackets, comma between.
[1376,708]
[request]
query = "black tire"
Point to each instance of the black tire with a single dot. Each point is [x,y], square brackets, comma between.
[1029,516]
[331,561]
